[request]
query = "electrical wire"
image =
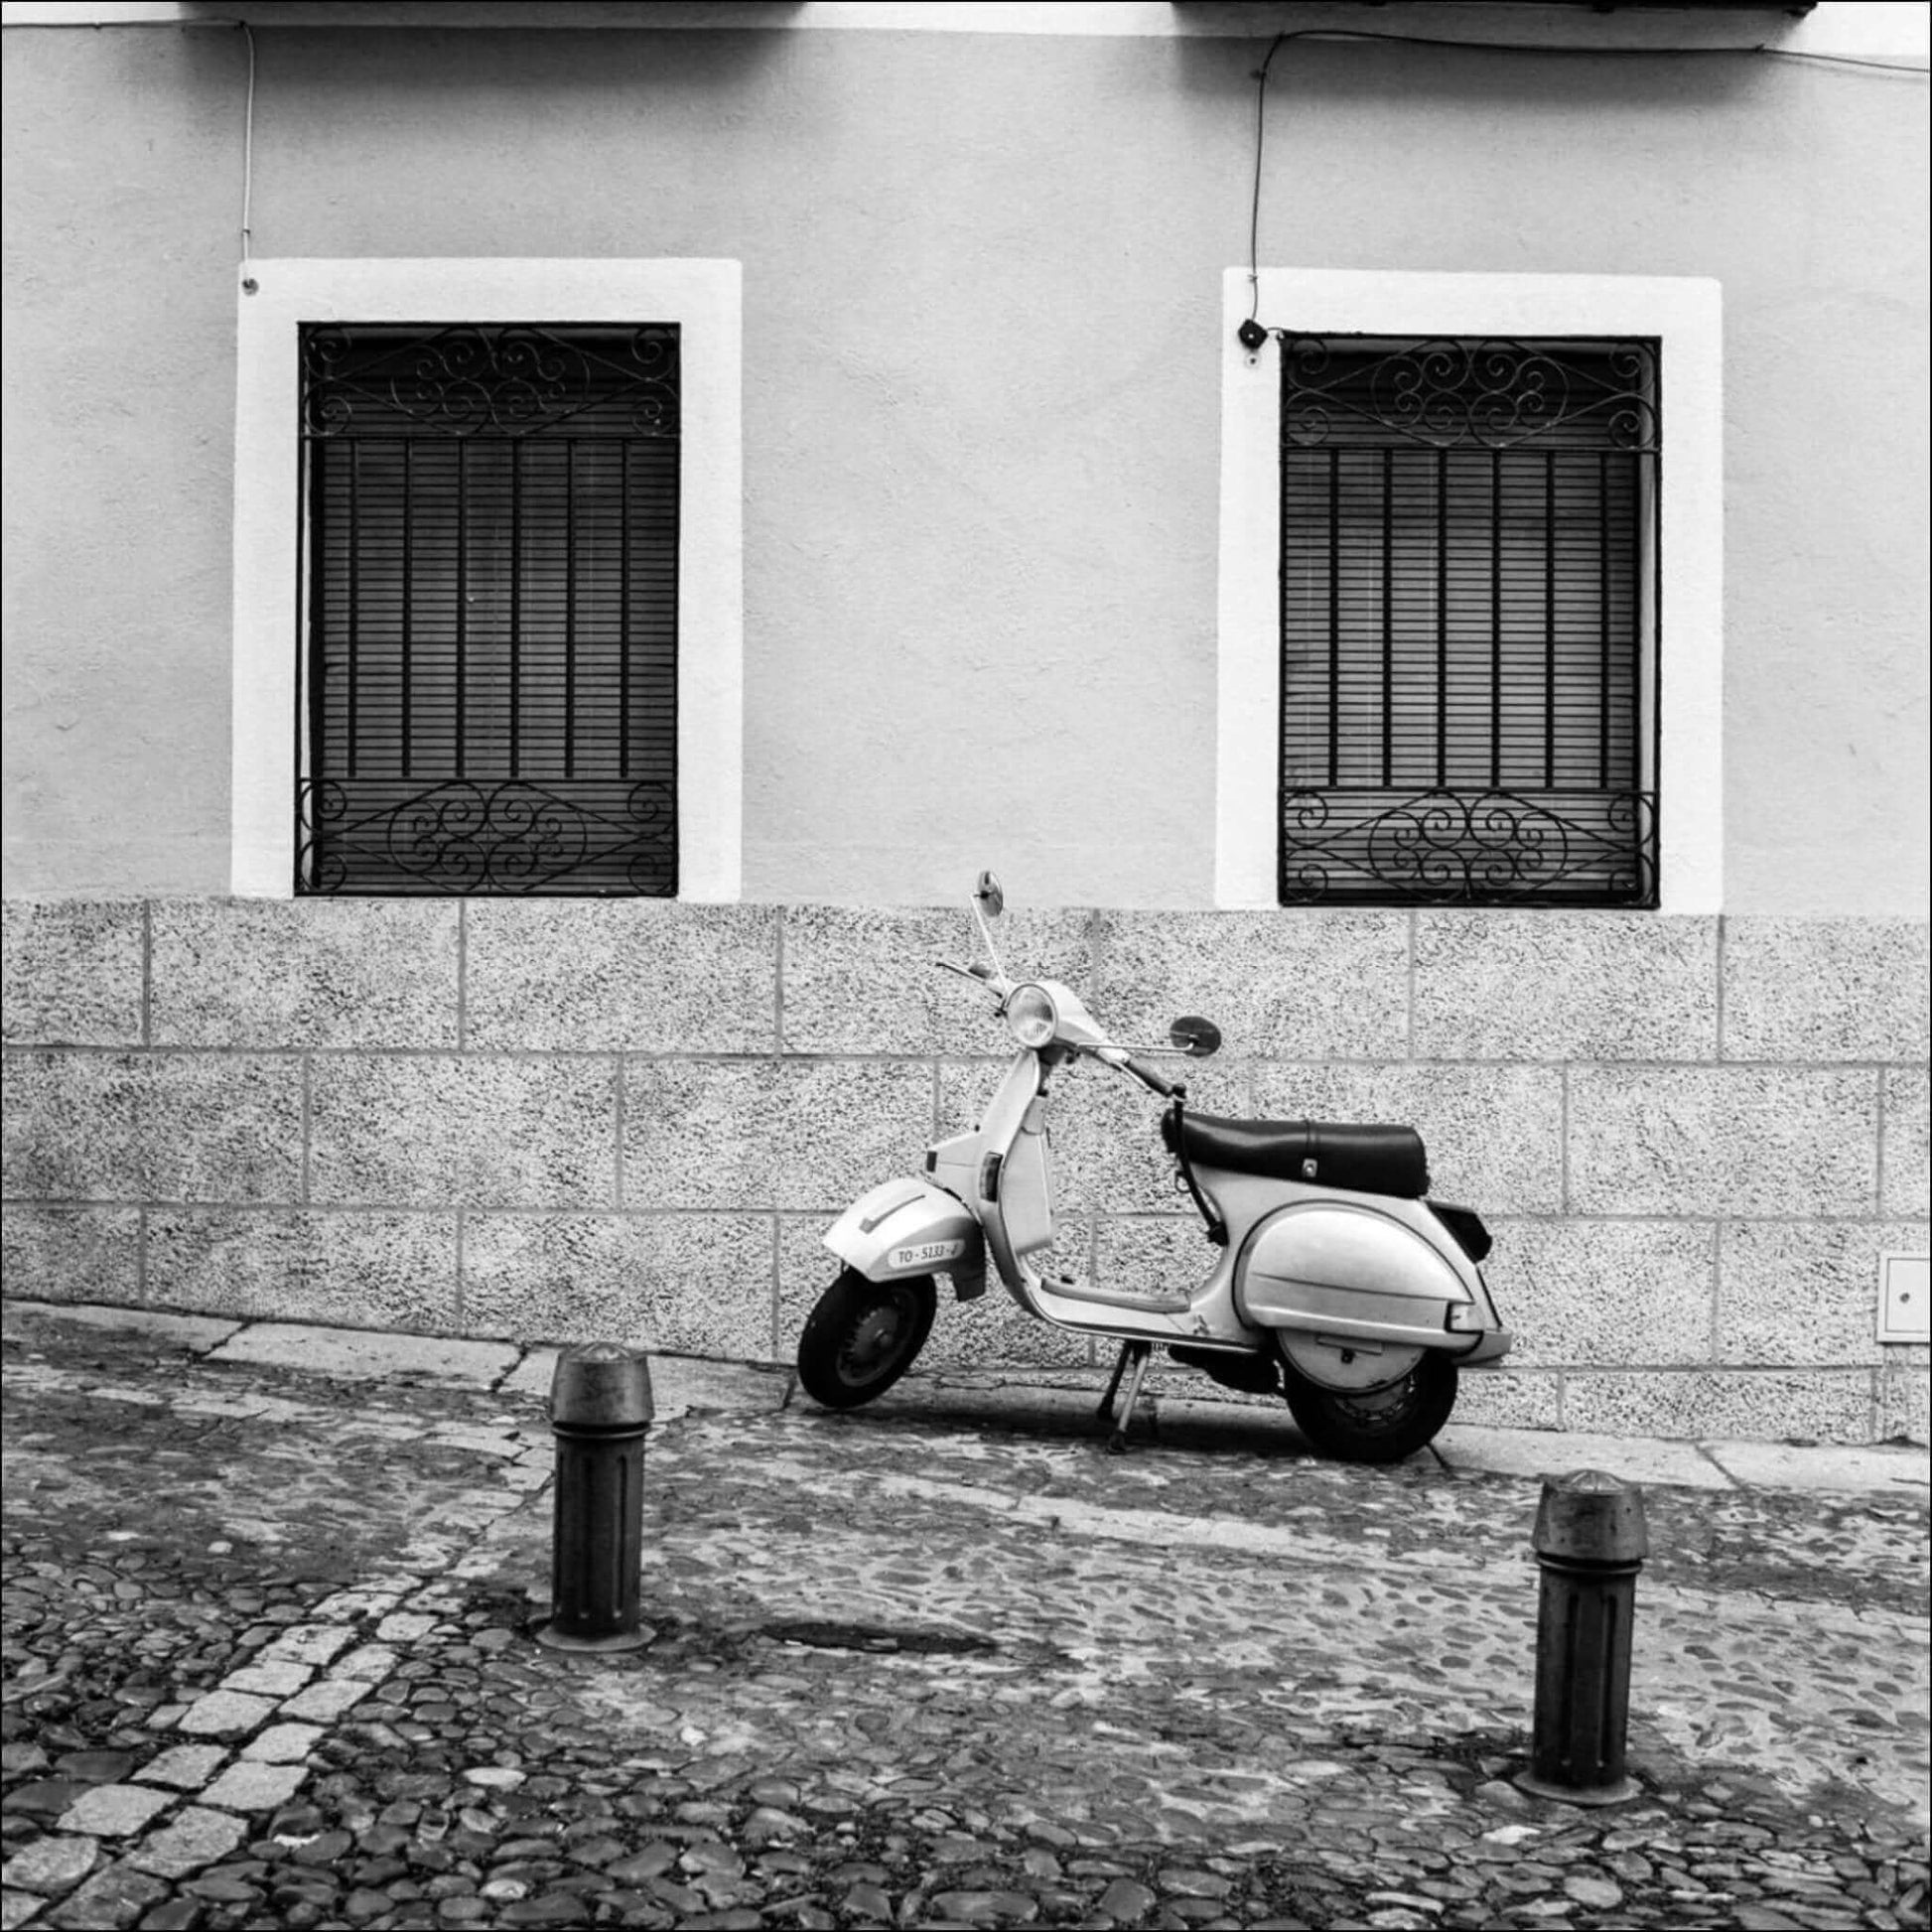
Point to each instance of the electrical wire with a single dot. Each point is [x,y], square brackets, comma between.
[248,152]
[1495,46]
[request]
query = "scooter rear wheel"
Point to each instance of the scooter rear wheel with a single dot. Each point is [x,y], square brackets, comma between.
[1376,1424]
[863,1336]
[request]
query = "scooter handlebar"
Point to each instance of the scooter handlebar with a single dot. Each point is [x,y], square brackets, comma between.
[1148,1076]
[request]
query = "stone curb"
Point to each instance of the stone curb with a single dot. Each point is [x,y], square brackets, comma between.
[684,1385]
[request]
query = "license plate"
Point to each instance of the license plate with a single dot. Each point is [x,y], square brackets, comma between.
[925,1254]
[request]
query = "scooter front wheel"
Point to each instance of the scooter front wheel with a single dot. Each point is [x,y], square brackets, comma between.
[1374,1425]
[863,1336]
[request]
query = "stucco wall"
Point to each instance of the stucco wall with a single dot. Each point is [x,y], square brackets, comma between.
[1691,1138]
[982,287]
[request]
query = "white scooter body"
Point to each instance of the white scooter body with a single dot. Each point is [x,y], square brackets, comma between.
[1349,1288]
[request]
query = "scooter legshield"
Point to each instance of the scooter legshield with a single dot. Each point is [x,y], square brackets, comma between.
[911,1227]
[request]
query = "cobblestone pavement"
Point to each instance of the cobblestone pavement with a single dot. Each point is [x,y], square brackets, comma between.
[268,1664]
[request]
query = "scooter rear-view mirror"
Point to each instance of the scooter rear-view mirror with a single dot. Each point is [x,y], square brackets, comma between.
[992,902]
[1195,1037]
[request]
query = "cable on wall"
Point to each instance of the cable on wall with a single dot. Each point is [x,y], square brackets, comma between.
[248,282]
[1251,333]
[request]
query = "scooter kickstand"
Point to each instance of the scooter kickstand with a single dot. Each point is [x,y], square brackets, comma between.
[1137,1352]
[1106,1409]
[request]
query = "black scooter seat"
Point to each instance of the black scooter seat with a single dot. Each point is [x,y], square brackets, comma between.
[1368,1160]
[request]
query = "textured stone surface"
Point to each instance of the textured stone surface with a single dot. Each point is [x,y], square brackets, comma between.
[341,1351]
[642,975]
[1540,1452]
[791,1134]
[1803,1291]
[1604,1291]
[1494,1134]
[1288,984]
[71,972]
[304,972]
[196,1839]
[162,1126]
[1825,989]
[220,1714]
[1906,1183]
[1723,1141]
[81,1254]
[1906,1395]
[436,1131]
[1767,1405]
[1565,986]
[368,1269]
[255,1787]
[113,1810]
[53,1865]
[1502,1398]
[863,981]
[692,1284]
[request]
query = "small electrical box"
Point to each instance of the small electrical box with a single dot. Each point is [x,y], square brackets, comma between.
[1904,1297]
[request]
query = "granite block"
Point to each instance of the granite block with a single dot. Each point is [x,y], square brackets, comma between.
[1105,1127]
[790,1133]
[639,975]
[362,1270]
[141,1127]
[685,1284]
[1905,1184]
[1906,1395]
[1825,989]
[354,1355]
[1537,1454]
[1288,984]
[1821,1405]
[1501,1398]
[71,972]
[1721,1142]
[1157,1255]
[1494,1134]
[436,1131]
[863,981]
[1565,986]
[71,1254]
[989,1331]
[1804,1292]
[304,972]
[1602,1293]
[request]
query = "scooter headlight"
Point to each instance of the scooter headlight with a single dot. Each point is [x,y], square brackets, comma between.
[1032,1016]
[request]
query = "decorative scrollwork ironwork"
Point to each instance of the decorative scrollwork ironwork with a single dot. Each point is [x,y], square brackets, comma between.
[1488,848]
[1490,394]
[504,836]
[509,380]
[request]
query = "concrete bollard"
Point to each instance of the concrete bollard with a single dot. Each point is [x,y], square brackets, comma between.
[1589,1541]
[600,1410]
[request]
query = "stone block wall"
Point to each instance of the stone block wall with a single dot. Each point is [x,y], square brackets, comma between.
[1692,1137]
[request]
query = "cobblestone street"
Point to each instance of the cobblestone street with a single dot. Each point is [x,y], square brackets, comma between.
[938,1662]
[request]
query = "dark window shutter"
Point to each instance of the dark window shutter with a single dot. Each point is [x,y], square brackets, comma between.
[490,633]
[1466,595]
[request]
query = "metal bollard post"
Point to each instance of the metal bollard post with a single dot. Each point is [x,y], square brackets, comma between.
[599,1408]
[1589,1541]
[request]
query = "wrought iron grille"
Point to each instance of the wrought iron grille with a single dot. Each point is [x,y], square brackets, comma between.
[490,675]
[1469,621]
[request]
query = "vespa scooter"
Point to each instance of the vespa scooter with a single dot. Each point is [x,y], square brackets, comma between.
[1334,1281]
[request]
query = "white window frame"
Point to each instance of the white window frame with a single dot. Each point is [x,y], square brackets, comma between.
[1685,313]
[705,299]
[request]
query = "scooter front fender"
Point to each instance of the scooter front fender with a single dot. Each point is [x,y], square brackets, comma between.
[911,1227]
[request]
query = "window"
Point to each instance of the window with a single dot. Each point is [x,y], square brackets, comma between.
[488,578]
[1470,628]
[489,671]
[1467,538]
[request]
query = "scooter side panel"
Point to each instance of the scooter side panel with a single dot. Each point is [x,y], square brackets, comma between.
[1349,1268]
[909,1227]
